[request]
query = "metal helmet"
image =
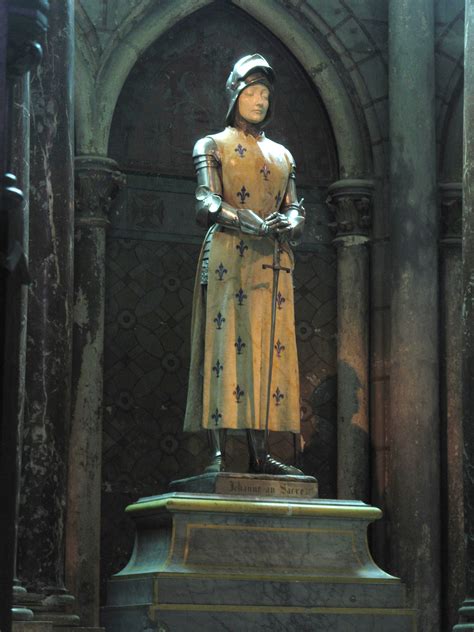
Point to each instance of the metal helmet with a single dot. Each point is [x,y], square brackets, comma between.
[246,71]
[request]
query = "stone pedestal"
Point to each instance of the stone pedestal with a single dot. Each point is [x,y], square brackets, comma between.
[214,562]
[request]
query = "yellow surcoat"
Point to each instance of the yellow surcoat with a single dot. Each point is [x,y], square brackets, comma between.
[231,321]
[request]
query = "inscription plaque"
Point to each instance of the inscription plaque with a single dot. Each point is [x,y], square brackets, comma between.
[256,485]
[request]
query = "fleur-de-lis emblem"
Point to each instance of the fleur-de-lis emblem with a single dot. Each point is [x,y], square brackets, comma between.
[242,194]
[240,296]
[239,345]
[238,393]
[219,320]
[218,368]
[278,200]
[240,150]
[280,299]
[278,396]
[241,247]
[279,348]
[221,270]
[265,171]
[217,416]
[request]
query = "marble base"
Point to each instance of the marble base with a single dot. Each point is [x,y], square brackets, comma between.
[55,609]
[256,485]
[209,562]
[31,626]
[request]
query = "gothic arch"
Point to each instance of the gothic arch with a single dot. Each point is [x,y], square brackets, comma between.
[95,103]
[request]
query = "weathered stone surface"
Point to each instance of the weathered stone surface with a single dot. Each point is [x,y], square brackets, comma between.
[413,478]
[351,201]
[227,563]
[97,182]
[42,514]
[466,611]
[20,160]
[32,626]
[20,50]
[450,373]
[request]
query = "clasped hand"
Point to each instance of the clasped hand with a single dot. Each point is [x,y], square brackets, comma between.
[276,223]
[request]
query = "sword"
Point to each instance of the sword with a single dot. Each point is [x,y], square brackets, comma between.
[276,267]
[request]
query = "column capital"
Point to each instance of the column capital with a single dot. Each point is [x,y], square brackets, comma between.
[27,26]
[451,213]
[98,181]
[351,203]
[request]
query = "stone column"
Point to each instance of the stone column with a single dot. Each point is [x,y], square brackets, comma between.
[97,184]
[48,360]
[451,430]
[27,22]
[20,152]
[413,486]
[466,611]
[351,202]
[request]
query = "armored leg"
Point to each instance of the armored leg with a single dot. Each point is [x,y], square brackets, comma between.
[263,463]
[216,445]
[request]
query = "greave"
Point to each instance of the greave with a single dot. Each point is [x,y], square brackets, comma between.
[263,463]
[216,445]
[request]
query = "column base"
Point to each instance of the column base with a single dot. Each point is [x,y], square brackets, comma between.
[466,617]
[31,626]
[22,614]
[50,626]
[53,609]
[20,611]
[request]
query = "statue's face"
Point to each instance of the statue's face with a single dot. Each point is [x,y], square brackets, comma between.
[253,103]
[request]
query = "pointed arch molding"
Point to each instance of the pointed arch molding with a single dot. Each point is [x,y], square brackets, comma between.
[97,92]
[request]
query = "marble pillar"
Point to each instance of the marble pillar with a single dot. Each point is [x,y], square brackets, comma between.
[466,610]
[20,160]
[97,182]
[21,51]
[50,316]
[413,485]
[451,430]
[351,202]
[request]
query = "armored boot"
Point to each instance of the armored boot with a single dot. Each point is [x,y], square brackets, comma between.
[216,445]
[263,463]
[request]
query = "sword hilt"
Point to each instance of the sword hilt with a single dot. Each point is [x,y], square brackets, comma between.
[265,266]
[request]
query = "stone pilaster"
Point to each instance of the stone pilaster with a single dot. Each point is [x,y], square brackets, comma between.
[451,430]
[413,483]
[20,157]
[48,373]
[21,51]
[351,201]
[97,183]
[466,611]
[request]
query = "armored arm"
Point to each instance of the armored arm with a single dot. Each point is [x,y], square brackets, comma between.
[210,208]
[291,208]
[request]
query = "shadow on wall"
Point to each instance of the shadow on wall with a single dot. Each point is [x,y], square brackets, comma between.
[320,453]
